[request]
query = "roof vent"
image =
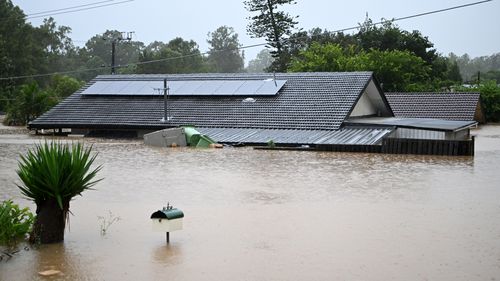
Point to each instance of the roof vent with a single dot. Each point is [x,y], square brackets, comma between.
[251,100]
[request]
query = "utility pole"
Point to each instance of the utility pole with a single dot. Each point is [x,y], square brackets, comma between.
[113,47]
[165,98]
[164,90]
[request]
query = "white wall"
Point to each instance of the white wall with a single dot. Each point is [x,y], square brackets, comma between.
[370,103]
[364,107]
[404,133]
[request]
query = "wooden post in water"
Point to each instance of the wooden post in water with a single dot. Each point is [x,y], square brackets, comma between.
[168,237]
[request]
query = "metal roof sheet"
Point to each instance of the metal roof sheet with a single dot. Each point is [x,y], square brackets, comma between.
[350,136]
[313,101]
[448,106]
[416,123]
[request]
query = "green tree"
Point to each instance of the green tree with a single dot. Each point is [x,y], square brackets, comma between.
[63,86]
[469,67]
[98,49]
[30,102]
[492,75]
[27,50]
[322,58]
[261,62]
[19,52]
[454,72]
[490,97]
[301,40]
[398,70]
[275,25]
[177,56]
[395,70]
[385,37]
[389,36]
[59,49]
[15,223]
[51,175]
[224,55]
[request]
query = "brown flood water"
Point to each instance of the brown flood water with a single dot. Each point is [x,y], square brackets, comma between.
[275,215]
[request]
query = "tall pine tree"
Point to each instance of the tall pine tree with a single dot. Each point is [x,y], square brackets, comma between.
[276,26]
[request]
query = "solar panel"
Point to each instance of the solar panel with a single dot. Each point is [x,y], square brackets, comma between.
[249,88]
[187,88]
[207,88]
[96,88]
[269,87]
[228,88]
[174,85]
[117,87]
[141,87]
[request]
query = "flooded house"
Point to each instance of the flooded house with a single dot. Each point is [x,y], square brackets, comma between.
[319,111]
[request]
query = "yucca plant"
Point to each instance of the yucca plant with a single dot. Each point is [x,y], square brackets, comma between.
[52,174]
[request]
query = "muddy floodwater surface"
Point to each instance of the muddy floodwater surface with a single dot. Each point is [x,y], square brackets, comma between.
[273,215]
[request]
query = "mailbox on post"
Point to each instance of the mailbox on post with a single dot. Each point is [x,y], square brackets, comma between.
[167,220]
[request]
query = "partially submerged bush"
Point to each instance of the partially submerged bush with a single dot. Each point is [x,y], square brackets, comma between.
[15,223]
[271,144]
[52,174]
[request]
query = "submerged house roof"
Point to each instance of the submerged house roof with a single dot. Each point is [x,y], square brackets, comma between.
[332,111]
[447,106]
[287,101]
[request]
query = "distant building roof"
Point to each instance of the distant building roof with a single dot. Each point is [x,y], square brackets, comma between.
[312,101]
[448,106]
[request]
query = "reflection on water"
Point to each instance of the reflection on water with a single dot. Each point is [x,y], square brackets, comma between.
[274,215]
[170,254]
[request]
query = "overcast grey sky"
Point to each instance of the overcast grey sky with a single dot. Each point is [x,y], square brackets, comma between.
[473,30]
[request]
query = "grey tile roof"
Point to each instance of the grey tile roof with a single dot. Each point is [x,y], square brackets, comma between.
[314,101]
[350,136]
[448,106]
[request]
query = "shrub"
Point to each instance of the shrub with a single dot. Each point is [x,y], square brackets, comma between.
[15,223]
[52,174]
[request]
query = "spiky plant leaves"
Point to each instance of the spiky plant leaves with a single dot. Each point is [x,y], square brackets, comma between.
[58,171]
[51,175]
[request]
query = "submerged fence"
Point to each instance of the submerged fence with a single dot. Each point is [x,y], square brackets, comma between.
[428,147]
[398,146]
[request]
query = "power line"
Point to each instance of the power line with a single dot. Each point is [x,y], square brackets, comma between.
[78,10]
[415,16]
[239,48]
[68,8]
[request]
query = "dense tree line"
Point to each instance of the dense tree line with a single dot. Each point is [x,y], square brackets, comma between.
[401,60]
[27,51]
[474,69]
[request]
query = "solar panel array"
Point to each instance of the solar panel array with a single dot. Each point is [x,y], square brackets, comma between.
[267,87]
